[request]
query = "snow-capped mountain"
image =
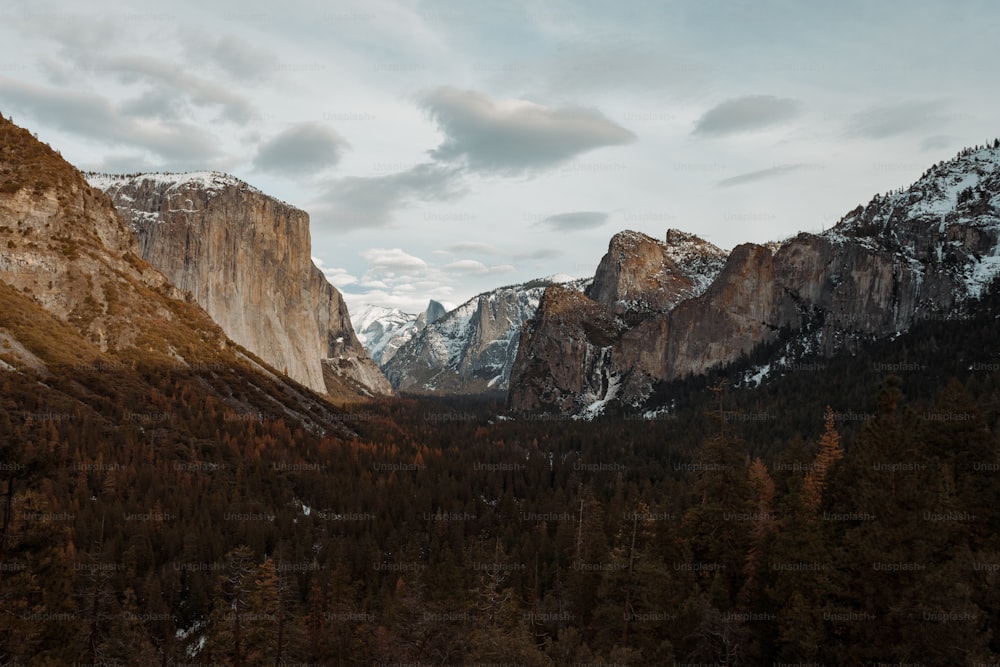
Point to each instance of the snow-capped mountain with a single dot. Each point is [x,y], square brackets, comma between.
[382,331]
[927,251]
[471,348]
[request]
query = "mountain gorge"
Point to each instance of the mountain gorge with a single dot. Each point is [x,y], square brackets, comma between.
[245,258]
[925,252]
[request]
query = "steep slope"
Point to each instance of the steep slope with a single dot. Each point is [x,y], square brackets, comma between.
[77,297]
[63,245]
[472,348]
[245,258]
[924,252]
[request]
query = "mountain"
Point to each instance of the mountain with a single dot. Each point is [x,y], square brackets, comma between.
[924,252]
[245,258]
[640,276]
[383,330]
[472,348]
[79,299]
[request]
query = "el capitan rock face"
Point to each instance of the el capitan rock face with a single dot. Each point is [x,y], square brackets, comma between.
[923,252]
[245,258]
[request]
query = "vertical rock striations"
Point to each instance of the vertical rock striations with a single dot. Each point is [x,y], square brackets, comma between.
[245,258]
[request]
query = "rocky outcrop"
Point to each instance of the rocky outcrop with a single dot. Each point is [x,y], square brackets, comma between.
[641,276]
[565,354]
[924,252]
[63,245]
[245,258]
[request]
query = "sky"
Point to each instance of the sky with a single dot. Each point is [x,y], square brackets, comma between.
[444,148]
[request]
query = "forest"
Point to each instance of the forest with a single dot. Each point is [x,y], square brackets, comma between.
[844,512]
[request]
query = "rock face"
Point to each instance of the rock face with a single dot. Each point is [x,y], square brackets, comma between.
[641,276]
[245,258]
[63,245]
[472,348]
[925,252]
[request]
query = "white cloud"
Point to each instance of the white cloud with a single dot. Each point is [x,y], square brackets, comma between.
[393,259]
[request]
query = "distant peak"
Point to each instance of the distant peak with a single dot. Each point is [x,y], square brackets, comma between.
[435,311]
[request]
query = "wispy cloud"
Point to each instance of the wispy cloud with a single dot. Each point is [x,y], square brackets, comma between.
[95,118]
[746,114]
[574,221]
[901,118]
[763,174]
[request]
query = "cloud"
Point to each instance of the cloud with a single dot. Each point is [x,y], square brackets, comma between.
[746,114]
[369,201]
[476,247]
[96,119]
[338,277]
[762,174]
[239,58]
[478,268]
[895,119]
[574,221]
[937,142]
[480,248]
[393,259]
[305,148]
[513,136]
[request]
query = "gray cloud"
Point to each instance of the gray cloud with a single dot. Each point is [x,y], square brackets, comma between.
[170,79]
[515,136]
[937,142]
[591,67]
[746,114]
[95,119]
[305,148]
[240,58]
[895,119]
[365,201]
[477,247]
[576,220]
[762,174]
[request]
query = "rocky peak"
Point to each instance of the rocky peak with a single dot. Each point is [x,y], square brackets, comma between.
[640,276]
[922,252]
[434,312]
[245,258]
[471,348]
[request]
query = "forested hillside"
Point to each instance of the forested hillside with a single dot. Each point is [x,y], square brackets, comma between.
[146,521]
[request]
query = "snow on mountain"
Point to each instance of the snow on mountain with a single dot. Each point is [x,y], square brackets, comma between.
[473,347]
[947,221]
[382,331]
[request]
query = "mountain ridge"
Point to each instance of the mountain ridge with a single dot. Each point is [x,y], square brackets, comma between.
[923,251]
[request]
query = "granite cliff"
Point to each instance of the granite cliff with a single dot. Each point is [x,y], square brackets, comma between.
[245,258]
[927,251]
